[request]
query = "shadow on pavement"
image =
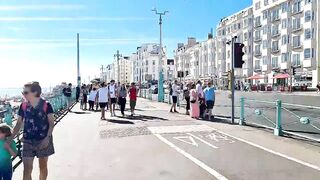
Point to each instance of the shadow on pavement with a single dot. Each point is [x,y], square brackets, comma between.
[120,121]
[144,118]
[78,112]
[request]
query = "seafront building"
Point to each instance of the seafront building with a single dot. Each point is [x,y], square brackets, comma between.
[240,25]
[196,60]
[286,36]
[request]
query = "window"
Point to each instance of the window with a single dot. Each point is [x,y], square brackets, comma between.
[275,14]
[296,41]
[265,44]
[239,25]
[284,57]
[153,62]
[257,21]
[265,15]
[307,34]
[257,35]
[307,16]
[228,54]
[257,64]
[284,39]
[245,36]
[307,53]
[265,60]
[274,62]
[307,1]
[284,23]
[245,22]
[284,7]
[265,29]
[296,23]
[275,30]
[275,45]
[296,7]
[266,2]
[257,5]
[146,63]
[296,59]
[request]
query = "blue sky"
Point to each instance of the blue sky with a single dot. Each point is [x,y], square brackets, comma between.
[38,37]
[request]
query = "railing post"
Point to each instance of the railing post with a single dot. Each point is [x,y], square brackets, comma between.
[242,120]
[278,129]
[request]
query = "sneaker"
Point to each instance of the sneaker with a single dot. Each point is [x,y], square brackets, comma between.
[176,111]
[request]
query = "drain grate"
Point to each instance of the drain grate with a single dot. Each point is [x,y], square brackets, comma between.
[124,132]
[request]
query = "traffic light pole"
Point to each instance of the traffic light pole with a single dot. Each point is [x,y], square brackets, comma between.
[232,78]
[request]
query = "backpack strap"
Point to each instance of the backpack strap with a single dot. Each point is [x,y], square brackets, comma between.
[45,106]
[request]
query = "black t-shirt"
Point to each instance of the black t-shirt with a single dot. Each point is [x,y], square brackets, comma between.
[67,91]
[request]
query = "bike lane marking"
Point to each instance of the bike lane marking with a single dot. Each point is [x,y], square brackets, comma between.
[193,159]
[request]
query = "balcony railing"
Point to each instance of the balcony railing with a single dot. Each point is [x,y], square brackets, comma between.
[296,27]
[275,49]
[296,46]
[257,68]
[296,11]
[275,18]
[257,24]
[275,33]
[257,53]
[257,38]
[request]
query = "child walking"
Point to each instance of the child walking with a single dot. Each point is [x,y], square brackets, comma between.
[7,150]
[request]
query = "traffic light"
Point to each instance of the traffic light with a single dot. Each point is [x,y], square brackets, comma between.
[293,71]
[238,53]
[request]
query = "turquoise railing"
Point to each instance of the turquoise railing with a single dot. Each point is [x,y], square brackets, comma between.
[299,120]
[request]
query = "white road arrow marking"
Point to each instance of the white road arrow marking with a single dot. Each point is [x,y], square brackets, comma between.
[187,139]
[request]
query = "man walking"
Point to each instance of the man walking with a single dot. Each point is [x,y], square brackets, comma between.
[67,93]
[77,93]
[133,92]
[112,91]
[175,94]
[103,99]
[209,95]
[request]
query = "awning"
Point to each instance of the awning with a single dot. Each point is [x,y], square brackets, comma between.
[257,76]
[281,76]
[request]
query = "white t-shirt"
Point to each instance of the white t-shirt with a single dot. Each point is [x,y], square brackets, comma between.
[92,96]
[103,95]
[112,91]
[199,89]
[175,90]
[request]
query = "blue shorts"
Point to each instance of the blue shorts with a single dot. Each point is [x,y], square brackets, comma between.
[6,172]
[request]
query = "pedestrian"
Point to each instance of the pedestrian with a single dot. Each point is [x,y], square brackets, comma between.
[85,92]
[7,150]
[37,119]
[175,94]
[194,102]
[133,92]
[209,95]
[112,90]
[67,91]
[318,87]
[103,99]
[199,89]
[92,98]
[122,98]
[77,93]
[186,94]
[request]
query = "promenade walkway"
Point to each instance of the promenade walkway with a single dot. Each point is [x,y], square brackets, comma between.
[156,144]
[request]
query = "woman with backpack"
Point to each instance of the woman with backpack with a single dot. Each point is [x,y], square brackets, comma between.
[194,101]
[36,118]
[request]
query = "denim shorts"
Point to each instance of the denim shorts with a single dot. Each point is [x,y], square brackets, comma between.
[30,149]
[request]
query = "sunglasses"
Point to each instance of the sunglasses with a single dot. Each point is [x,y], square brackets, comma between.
[25,92]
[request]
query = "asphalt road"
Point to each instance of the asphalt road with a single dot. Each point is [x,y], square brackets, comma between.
[156,144]
[291,114]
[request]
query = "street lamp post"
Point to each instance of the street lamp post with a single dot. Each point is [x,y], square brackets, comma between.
[78,62]
[160,81]
[118,55]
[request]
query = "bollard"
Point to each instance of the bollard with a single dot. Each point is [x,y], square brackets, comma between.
[242,120]
[278,129]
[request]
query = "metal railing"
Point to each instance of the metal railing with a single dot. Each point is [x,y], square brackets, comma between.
[299,120]
[59,105]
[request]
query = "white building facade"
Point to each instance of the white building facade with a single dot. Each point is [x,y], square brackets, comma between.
[240,25]
[122,69]
[286,36]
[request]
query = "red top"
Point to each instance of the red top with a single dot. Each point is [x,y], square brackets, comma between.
[133,94]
